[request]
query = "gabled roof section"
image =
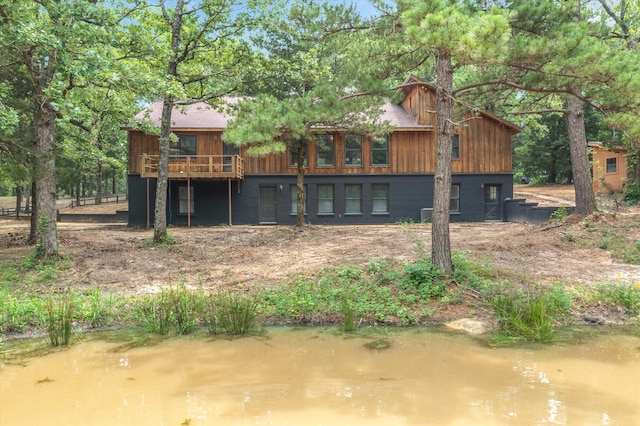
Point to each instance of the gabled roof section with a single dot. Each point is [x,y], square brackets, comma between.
[202,116]
[412,82]
[197,116]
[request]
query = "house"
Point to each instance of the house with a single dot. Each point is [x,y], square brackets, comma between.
[349,179]
[609,168]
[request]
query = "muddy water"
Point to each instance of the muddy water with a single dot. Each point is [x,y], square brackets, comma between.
[314,377]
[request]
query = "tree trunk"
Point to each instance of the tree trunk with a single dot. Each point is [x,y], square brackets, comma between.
[160,214]
[300,185]
[45,206]
[440,238]
[99,175]
[582,181]
[18,200]
[160,218]
[34,218]
[113,182]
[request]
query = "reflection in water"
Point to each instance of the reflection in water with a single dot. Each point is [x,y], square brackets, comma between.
[314,377]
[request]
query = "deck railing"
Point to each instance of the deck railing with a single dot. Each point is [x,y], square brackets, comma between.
[195,166]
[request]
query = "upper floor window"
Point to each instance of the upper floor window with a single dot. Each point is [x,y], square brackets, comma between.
[185,145]
[352,150]
[455,153]
[324,152]
[454,202]
[294,146]
[380,150]
[612,165]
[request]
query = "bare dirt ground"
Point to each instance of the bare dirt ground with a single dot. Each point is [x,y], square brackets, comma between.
[119,259]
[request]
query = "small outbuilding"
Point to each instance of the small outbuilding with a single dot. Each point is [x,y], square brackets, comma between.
[609,168]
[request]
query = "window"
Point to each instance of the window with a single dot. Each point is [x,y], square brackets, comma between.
[353,195]
[324,154]
[186,202]
[612,165]
[380,150]
[325,199]
[228,149]
[454,202]
[294,199]
[293,153]
[352,150]
[380,198]
[455,153]
[185,145]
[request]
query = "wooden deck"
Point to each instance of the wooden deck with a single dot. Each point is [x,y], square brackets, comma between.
[195,167]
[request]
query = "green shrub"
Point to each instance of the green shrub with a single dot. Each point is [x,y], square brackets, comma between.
[424,278]
[59,321]
[528,316]
[627,295]
[231,313]
[631,192]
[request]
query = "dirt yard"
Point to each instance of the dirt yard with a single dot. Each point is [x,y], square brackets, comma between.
[117,258]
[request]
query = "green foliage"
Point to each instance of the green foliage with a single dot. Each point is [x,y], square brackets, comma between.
[231,313]
[59,321]
[627,295]
[560,213]
[631,192]
[172,310]
[423,278]
[528,316]
[19,312]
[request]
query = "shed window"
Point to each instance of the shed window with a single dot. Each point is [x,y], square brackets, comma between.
[353,195]
[454,201]
[352,150]
[325,199]
[324,155]
[380,198]
[186,201]
[293,153]
[455,153]
[294,199]
[612,165]
[380,150]
[185,145]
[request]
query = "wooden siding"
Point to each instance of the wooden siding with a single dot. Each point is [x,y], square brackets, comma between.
[421,104]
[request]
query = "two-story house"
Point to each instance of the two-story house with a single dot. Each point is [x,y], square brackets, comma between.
[349,178]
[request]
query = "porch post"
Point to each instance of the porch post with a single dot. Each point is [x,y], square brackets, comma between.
[189,202]
[229,182]
[148,220]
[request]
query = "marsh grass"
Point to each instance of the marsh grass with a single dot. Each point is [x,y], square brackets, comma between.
[59,321]
[231,313]
[173,310]
[526,316]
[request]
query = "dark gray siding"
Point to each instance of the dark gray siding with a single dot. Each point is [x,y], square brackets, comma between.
[408,194]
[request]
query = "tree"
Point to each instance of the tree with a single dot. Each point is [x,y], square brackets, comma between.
[195,56]
[305,84]
[457,34]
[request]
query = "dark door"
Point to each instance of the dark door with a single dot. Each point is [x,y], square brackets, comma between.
[268,204]
[492,209]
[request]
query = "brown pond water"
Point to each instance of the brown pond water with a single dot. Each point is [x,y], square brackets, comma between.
[316,377]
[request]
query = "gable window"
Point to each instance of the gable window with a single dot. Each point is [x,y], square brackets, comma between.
[325,199]
[294,199]
[380,150]
[186,201]
[352,150]
[185,145]
[293,153]
[454,202]
[612,165]
[380,198]
[324,153]
[353,194]
[455,153]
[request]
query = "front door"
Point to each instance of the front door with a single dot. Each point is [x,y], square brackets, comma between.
[492,209]
[268,204]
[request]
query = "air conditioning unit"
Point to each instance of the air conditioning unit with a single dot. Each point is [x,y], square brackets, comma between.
[426,215]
